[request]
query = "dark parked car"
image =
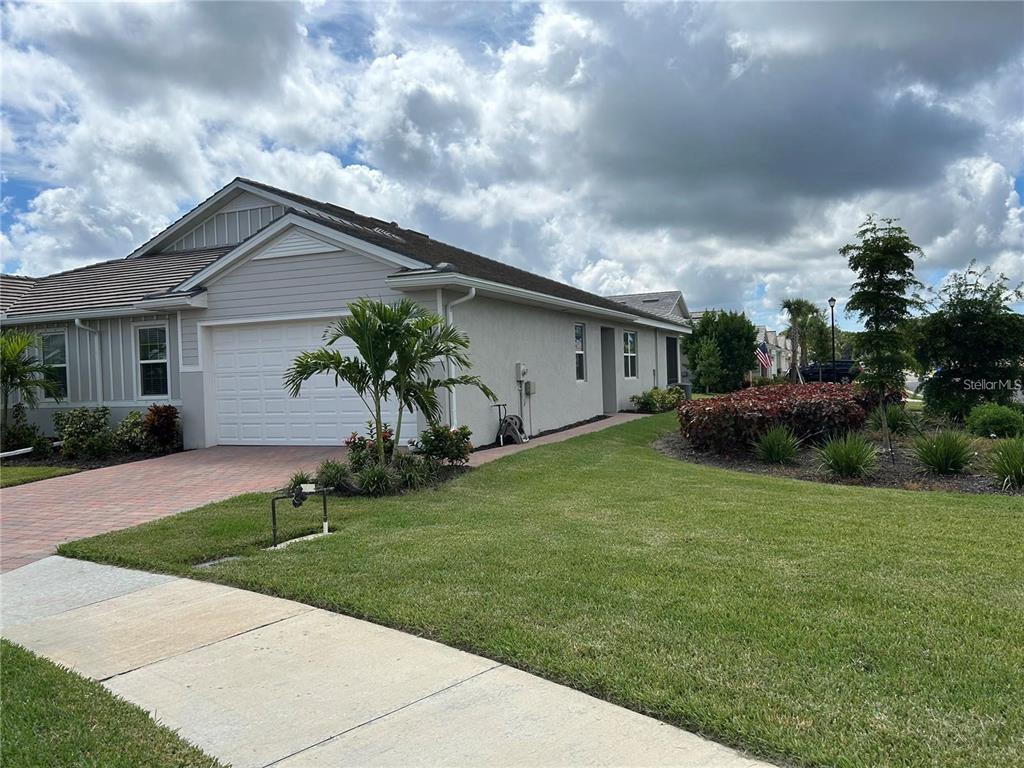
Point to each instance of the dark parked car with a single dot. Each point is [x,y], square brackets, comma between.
[844,372]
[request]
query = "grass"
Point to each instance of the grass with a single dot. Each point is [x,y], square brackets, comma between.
[810,623]
[19,475]
[52,716]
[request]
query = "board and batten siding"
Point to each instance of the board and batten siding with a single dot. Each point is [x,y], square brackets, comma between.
[232,224]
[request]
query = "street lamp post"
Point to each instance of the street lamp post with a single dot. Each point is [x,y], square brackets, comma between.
[832,309]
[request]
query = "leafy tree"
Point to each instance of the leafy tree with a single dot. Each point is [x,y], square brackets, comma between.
[22,373]
[883,296]
[399,348]
[734,336]
[973,337]
[708,364]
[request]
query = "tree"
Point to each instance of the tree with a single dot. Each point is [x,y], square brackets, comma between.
[22,373]
[734,337]
[804,317]
[708,364]
[883,296]
[972,345]
[400,346]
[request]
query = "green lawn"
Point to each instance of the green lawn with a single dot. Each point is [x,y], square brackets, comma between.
[17,475]
[53,717]
[816,624]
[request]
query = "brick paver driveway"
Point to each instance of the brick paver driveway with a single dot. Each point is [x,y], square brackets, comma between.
[35,517]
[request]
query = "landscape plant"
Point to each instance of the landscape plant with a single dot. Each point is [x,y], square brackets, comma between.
[707,364]
[333,474]
[1007,459]
[299,478]
[806,329]
[20,433]
[377,479]
[658,400]
[84,432]
[995,420]
[130,434]
[851,455]
[22,373]
[163,428]
[946,452]
[892,416]
[446,445]
[777,445]
[734,337]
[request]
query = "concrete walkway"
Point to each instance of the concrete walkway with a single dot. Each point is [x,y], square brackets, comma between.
[483,457]
[259,681]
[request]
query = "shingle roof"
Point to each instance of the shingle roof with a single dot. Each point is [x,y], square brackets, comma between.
[12,288]
[661,303]
[418,246]
[117,283]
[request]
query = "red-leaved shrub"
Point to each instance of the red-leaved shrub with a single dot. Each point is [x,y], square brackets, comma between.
[161,428]
[732,422]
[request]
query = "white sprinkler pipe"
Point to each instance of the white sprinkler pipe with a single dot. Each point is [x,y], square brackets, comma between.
[96,356]
[452,409]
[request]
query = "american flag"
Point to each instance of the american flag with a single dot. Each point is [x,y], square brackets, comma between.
[761,350]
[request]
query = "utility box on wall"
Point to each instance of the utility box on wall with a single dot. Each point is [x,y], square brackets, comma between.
[530,387]
[522,371]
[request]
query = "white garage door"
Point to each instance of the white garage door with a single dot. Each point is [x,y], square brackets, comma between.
[253,407]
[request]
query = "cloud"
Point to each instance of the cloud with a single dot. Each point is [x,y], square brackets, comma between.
[727,150]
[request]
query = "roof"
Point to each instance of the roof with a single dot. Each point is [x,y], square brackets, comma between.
[117,283]
[664,304]
[12,288]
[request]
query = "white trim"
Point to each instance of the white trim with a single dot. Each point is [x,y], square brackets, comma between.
[50,404]
[577,353]
[232,258]
[67,362]
[196,301]
[71,314]
[137,362]
[323,247]
[635,354]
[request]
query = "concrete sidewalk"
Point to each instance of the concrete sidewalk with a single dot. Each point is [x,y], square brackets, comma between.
[259,681]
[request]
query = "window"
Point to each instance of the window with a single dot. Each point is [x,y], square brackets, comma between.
[153,376]
[54,352]
[580,333]
[629,354]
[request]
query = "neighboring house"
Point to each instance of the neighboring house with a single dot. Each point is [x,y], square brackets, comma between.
[208,314]
[779,349]
[670,306]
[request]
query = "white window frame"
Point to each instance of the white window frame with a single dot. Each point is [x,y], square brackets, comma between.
[66,366]
[138,362]
[634,355]
[578,353]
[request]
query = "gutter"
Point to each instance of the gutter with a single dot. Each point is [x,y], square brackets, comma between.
[453,418]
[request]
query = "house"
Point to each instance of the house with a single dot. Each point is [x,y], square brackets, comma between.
[208,314]
[780,350]
[670,306]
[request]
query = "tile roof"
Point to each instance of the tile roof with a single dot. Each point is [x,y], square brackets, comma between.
[661,303]
[12,288]
[117,283]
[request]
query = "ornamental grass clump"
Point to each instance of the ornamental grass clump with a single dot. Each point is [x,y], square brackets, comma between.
[1008,463]
[333,475]
[898,418]
[946,452]
[849,455]
[777,446]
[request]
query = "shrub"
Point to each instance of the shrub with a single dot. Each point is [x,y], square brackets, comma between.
[733,422]
[994,420]
[899,419]
[450,446]
[849,455]
[21,434]
[1008,462]
[85,432]
[163,430]
[777,446]
[658,400]
[378,480]
[333,474]
[362,449]
[299,477]
[416,471]
[130,434]
[947,452]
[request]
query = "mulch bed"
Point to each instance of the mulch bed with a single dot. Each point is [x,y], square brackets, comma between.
[899,471]
[56,460]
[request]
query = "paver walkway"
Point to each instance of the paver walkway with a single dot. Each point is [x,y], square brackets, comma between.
[35,517]
[483,457]
[259,681]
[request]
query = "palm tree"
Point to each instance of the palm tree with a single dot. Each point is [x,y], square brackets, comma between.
[804,319]
[22,373]
[399,347]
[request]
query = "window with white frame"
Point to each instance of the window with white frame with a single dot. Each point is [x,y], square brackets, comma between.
[580,334]
[153,370]
[54,353]
[629,354]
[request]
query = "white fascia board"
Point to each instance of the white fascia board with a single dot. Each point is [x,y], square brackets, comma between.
[196,301]
[341,240]
[81,314]
[663,325]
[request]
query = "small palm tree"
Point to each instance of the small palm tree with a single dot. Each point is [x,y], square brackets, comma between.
[22,373]
[399,347]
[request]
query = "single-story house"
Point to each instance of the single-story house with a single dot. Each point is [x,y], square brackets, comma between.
[670,306]
[208,314]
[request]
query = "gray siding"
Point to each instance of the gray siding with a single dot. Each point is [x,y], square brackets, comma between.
[227,227]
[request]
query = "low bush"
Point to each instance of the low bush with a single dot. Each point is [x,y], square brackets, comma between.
[163,429]
[777,446]
[849,455]
[21,434]
[994,420]
[298,478]
[362,449]
[85,432]
[333,474]
[733,422]
[449,446]
[658,400]
[1007,460]
[947,452]
[130,434]
[378,480]
[899,420]
[416,471]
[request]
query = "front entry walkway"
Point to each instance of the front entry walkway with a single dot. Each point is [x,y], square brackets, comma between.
[259,681]
[478,458]
[35,517]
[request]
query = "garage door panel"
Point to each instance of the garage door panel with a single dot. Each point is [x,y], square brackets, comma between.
[252,404]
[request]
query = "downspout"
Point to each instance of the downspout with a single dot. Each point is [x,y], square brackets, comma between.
[453,419]
[98,383]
